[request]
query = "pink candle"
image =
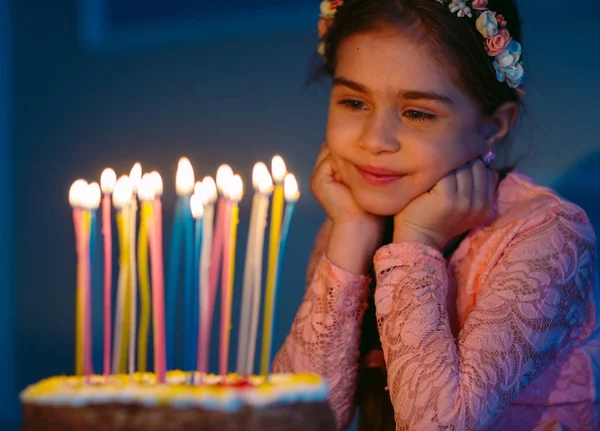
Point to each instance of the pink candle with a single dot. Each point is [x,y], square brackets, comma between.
[224,175]
[87,301]
[158,288]
[208,309]
[107,183]
[79,292]
[225,275]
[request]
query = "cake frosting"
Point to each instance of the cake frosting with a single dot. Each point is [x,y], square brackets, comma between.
[226,394]
[185,402]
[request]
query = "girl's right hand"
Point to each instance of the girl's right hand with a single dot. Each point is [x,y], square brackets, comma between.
[355,234]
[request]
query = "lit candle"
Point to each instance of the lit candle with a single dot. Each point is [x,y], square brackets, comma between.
[107,182]
[224,175]
[259,174]
[146,195]
[158,291]
[184,183]
[278,170]
[76,196]
[265,188]
[136,177]
[291,197]
[91,204]
[209,192]
[121,200]
[234,193]
[197,208]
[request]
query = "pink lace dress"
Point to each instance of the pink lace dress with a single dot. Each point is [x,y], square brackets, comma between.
[503,335]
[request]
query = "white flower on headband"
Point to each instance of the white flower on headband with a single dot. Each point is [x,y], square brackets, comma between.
[460,7]
[508,67]
[487,24]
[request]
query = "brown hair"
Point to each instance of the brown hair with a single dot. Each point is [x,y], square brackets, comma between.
[452,41]
[456,43]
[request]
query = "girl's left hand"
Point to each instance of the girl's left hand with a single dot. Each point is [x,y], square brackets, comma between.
[460,201]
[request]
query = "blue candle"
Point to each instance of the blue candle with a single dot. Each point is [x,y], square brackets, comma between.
[285,229]
[91,267]
[188,280]
[172,283]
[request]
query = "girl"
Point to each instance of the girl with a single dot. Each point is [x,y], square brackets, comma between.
[481,311]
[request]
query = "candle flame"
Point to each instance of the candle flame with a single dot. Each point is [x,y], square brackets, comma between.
[92,196]
[196,206]
[261,178]
[224,175]
[157,183]
[146,189]
[123,192]
[290,188]
[184,179]
[236,188]
[77,192]
[278,169]
[108,180]
[136,176]
[209,187]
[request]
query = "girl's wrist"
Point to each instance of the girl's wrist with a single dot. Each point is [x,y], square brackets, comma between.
[352,245]
[404,234]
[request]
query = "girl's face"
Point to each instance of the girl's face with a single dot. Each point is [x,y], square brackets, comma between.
[397,124]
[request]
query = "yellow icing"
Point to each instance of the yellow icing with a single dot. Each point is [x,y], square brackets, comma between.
[143,388]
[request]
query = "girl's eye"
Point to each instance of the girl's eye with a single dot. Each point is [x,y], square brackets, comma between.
[419,116]
[354,105]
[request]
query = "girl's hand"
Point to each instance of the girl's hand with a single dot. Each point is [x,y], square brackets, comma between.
[356,234]
[460,201]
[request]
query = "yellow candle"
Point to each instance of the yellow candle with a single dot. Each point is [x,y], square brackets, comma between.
[146,195]
[235,210]
[126,294]
[121,200]
[146,215]
[76,197]
[278,171]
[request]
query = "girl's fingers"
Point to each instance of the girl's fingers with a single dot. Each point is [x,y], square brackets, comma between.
[465,187]
[481,184]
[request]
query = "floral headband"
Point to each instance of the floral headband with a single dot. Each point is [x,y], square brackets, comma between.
[492,26]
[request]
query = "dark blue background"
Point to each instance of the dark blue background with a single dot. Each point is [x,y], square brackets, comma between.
[83,88]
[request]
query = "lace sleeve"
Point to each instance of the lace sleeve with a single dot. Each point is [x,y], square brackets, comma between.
[325,334]
[533,305]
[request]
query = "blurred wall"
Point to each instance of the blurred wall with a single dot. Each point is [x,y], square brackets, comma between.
[7,386]
[235,98]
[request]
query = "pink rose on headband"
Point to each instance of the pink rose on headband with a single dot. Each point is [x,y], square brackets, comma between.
[487,24]
[496,44]
[479,4]
[334,4]
[500,19]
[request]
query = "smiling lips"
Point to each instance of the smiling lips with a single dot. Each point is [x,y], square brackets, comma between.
[378,176]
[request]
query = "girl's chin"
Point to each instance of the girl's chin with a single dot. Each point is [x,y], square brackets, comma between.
[379,206]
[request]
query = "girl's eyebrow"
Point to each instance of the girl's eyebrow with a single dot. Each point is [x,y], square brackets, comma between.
[404,94]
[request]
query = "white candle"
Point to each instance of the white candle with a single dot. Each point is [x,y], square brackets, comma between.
[265,188]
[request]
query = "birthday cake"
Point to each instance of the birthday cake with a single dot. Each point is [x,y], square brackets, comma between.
[280,402]
[125,397]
